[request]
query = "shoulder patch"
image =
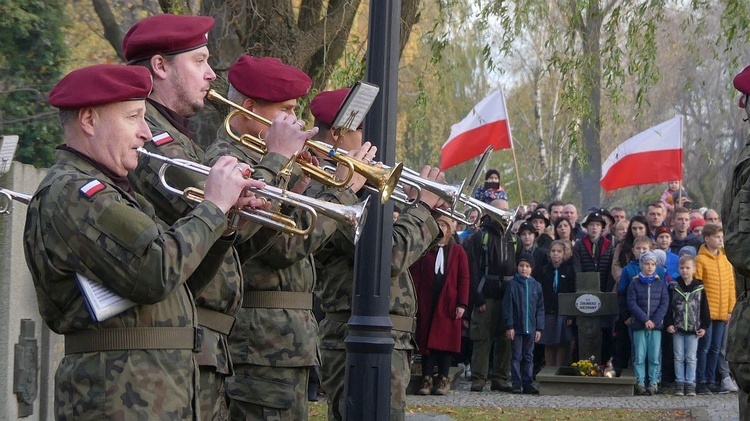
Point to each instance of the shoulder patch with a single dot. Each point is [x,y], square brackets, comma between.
[162,139]
[91,188]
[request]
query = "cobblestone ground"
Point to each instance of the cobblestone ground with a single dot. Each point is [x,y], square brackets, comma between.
[717,407]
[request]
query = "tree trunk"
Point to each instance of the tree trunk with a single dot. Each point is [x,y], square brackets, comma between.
[591,124]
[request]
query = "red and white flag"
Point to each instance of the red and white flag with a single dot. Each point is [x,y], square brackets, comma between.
[486,124]
[651,156]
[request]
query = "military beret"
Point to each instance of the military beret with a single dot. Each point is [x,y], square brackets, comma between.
[742,84]
[269,79]
[101,84]
[166,34]
[326,104]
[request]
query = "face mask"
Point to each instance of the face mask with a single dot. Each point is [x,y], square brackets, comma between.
[489,185]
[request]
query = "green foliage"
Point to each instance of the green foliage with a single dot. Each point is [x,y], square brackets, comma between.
[32,52]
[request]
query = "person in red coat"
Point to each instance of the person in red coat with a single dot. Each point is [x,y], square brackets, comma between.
[441,279]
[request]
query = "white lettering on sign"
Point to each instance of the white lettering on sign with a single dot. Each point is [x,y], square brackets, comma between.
[588,303]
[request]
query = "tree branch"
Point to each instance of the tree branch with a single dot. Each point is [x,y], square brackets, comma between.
[112,31]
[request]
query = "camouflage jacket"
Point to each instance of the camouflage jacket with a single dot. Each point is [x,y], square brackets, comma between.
[736,218]
[114,238]
[274,261]
[224,293]
[414,232]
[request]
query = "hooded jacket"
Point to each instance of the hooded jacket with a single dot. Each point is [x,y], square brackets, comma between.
[523,305]
[717,275]
[688,306]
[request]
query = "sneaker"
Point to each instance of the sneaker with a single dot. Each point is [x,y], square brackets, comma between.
[467,372]
[728,384]
[516,390]
[499,386]
[679,389]
[426,387]
[443,387]
[477,385]
[652,389]
[703,389]
[530,390]
[640,390]
[690,389]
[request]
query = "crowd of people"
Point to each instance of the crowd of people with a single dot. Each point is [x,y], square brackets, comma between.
[675,293]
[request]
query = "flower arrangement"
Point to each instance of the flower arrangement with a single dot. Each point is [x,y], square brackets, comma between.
[587,368]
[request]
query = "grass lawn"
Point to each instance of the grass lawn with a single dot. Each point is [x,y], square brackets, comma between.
[318,413]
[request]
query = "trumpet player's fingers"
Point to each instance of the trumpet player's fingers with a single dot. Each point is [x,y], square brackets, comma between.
[225,183]
[285,136]
[253,201]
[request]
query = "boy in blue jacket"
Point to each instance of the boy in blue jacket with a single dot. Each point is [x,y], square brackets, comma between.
[648,301]
[523,306]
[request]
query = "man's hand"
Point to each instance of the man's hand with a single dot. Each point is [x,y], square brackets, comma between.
[285,136]
[430,199]
[228,182]
[364,153]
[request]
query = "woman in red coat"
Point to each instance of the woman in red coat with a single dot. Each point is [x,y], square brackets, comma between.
[441,279]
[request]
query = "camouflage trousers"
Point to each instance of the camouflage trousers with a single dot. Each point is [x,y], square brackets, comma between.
[268,393]
[738,342]
[332,378]
[486,329]
[211,397]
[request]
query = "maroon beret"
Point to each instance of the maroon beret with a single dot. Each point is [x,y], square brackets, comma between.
[269,79]
[326,104]
[742,84]
[101,84]
[166,34]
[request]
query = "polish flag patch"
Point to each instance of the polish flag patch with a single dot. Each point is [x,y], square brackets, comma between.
[162,139]
[91,188]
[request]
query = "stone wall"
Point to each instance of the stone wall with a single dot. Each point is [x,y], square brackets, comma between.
[17,303]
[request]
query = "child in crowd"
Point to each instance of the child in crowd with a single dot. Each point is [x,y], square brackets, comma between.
[523,310]
[491,189]
[648,301]
[527,236]
[717,274]
[672,190]
[663,241]
[687,320]
[556,276]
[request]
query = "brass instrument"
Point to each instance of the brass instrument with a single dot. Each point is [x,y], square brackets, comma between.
[383,180]
[506,218]
[353,216]
[6,200]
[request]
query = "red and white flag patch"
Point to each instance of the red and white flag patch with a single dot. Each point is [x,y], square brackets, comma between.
[91,188]
[162,139]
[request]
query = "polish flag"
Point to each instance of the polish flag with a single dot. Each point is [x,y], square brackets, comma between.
[486,124]
[651,156]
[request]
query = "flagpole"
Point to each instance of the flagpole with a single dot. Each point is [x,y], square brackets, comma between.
[682,161]
[513,150]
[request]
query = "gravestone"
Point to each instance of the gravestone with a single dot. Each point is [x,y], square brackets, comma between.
[588,304]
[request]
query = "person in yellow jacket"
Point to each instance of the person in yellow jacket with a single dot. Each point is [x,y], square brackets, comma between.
[717,274]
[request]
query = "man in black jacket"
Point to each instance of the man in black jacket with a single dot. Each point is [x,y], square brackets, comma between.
[491,263]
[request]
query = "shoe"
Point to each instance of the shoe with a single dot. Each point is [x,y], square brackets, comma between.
[530,390]
[517,390]
[640,390]
[499,386]
[727,384]
[426,387]
[703,389]
[443,387]
[690,389]
[679,389]
[652,389]
[467,371]
[477,385]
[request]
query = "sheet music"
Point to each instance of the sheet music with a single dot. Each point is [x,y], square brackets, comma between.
[355,106]
[101,302]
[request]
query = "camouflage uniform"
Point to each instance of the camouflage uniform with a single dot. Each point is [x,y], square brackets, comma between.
[113,237]
[413,232]
[219,301]
[736,217]
[274,345]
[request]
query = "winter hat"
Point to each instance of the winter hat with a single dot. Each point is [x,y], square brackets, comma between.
[661,257]
[490,172]
[648,256]
[689,250]
[697,222]
[526,257]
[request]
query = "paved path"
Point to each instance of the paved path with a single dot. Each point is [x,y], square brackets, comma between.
[718,407]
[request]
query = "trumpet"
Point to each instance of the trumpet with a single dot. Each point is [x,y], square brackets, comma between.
[353,216]
[506,218]
[6,200]
[383,180]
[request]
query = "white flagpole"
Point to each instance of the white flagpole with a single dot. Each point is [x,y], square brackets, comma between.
[513,149]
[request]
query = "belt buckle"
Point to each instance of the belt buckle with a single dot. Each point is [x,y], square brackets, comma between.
[197,338]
